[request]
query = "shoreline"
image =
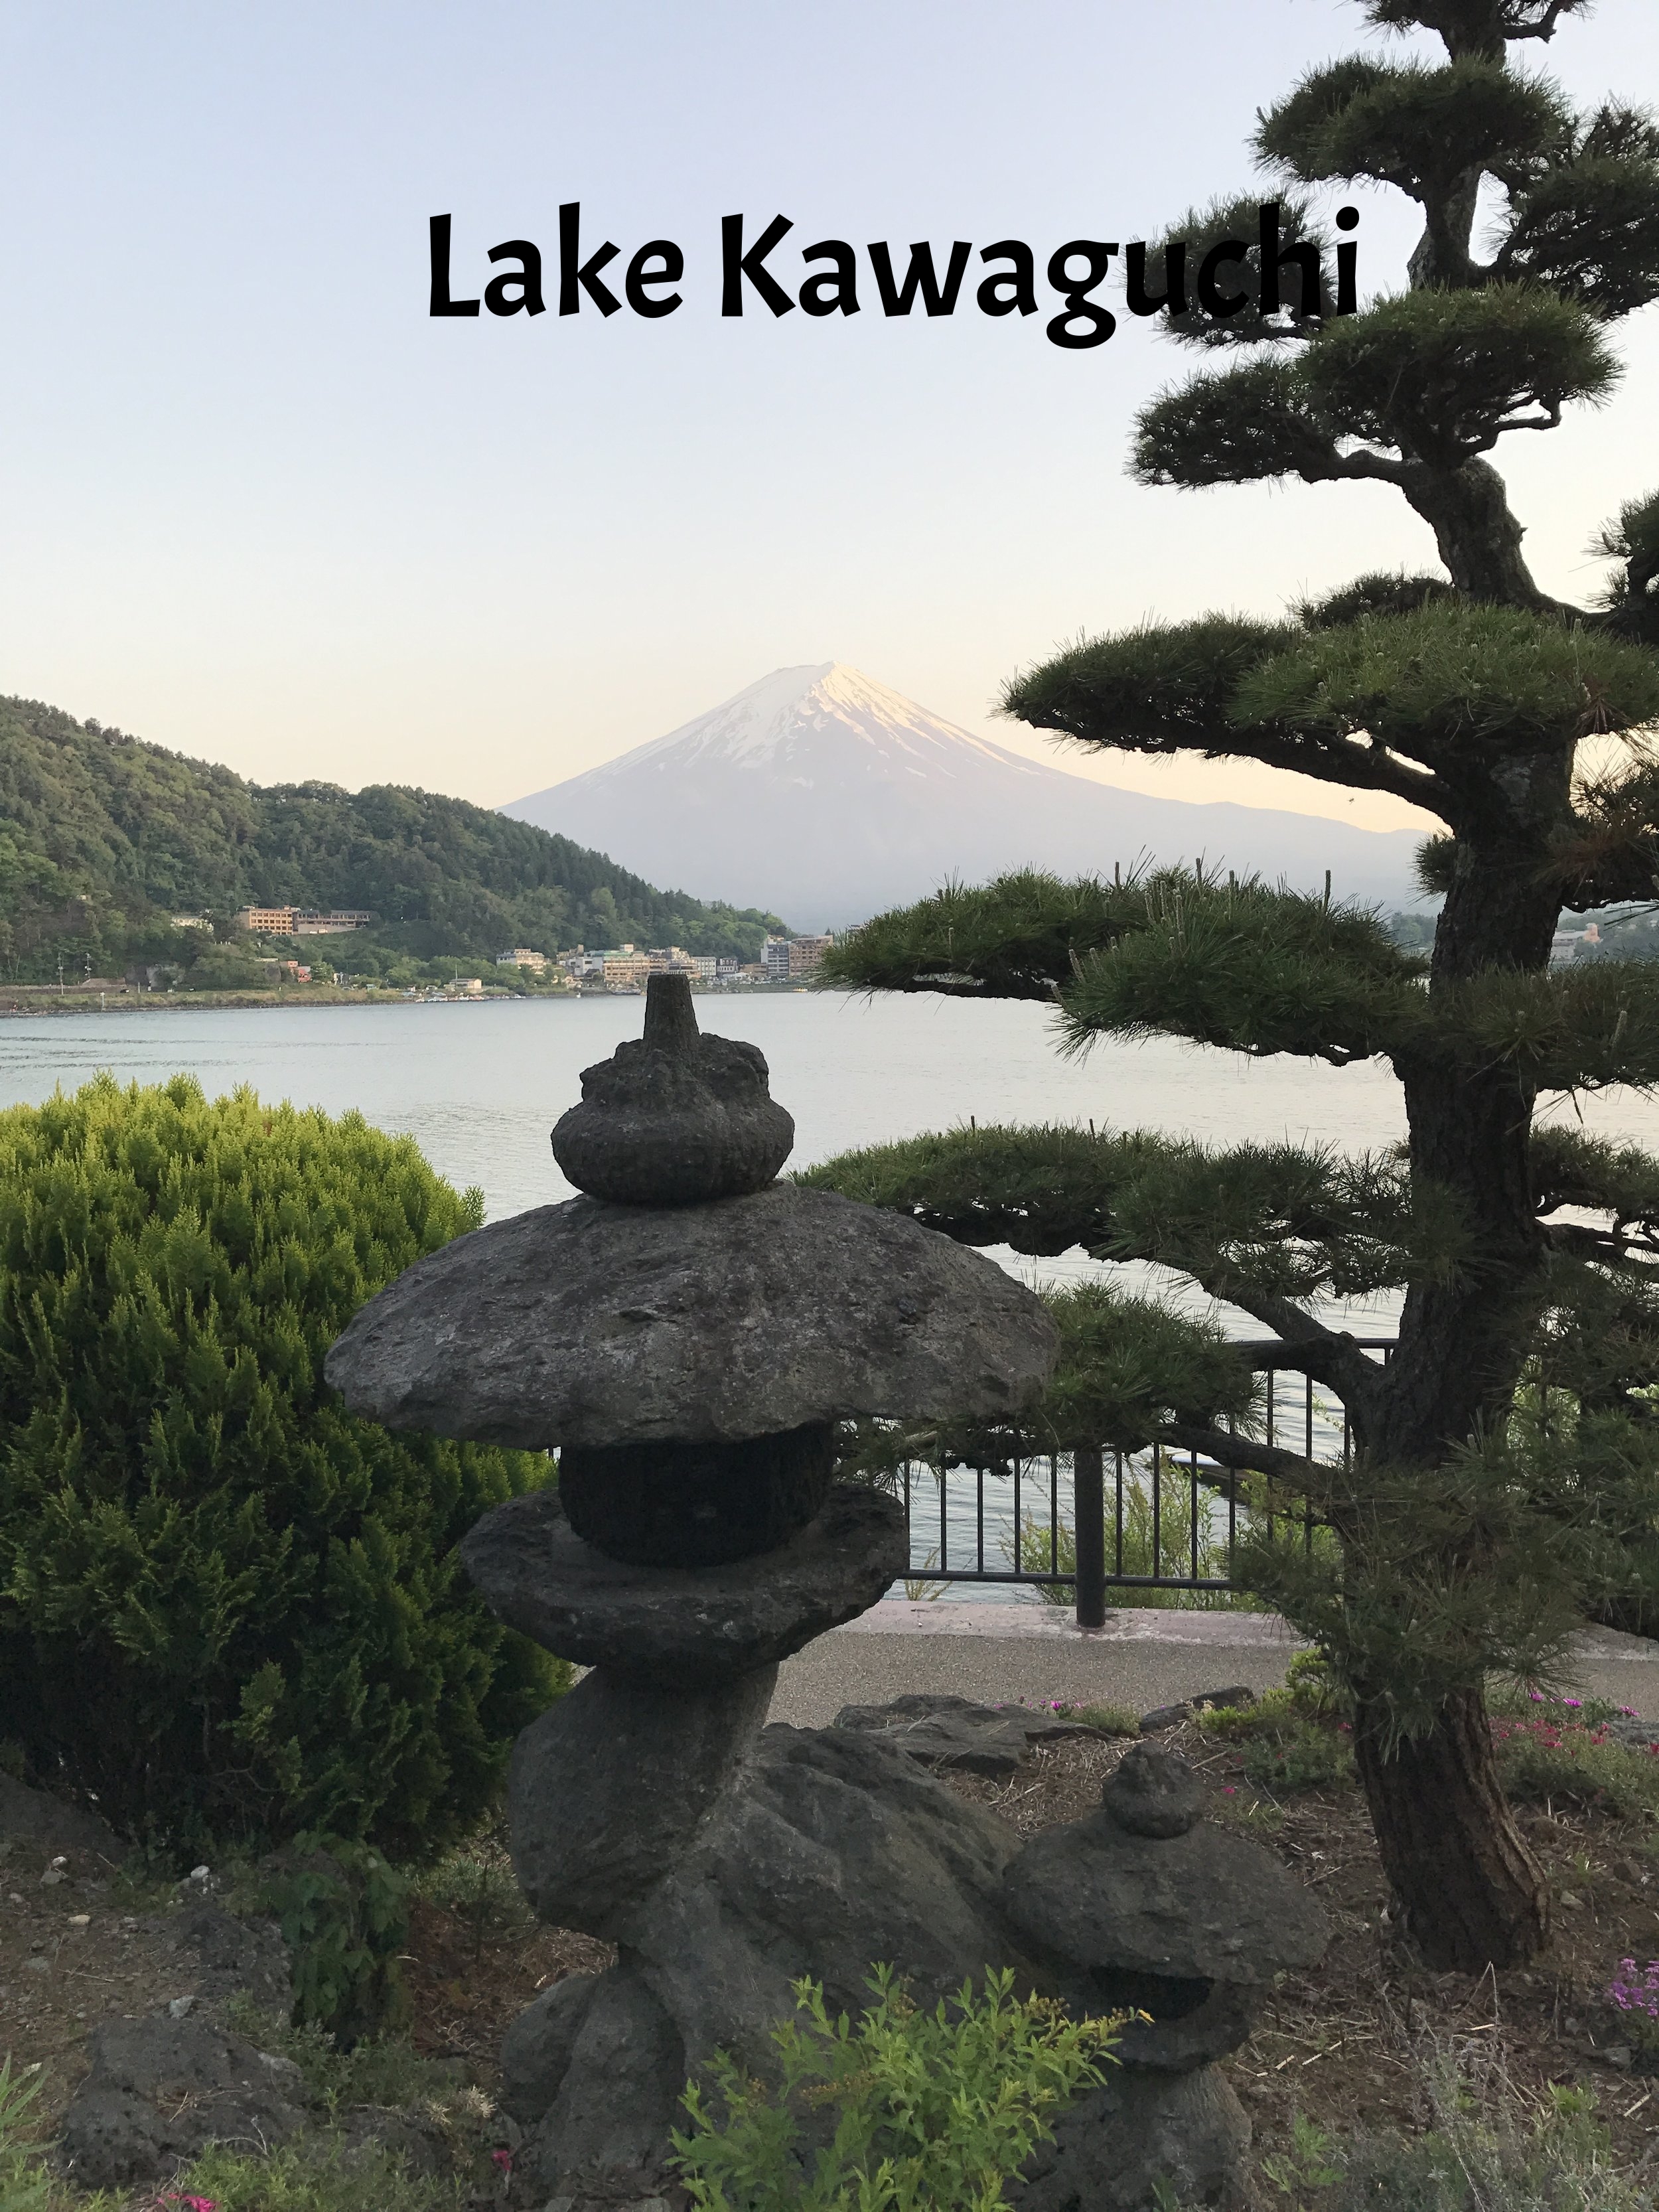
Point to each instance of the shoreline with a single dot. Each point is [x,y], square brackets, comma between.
[56,1006]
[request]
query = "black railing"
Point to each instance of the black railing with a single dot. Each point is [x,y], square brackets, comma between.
[1075,1526]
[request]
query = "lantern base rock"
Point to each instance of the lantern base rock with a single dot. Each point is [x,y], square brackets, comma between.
[831,1850]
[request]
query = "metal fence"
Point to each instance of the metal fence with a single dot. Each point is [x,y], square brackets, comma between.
[1074,1526]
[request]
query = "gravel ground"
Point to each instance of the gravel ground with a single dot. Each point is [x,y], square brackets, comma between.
[1140,1659]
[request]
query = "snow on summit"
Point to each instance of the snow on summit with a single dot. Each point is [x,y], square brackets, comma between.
[824,796]
[783,717]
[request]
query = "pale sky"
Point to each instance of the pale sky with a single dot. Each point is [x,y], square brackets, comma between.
[259,508]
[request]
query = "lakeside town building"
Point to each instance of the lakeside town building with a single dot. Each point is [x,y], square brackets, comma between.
[301,921]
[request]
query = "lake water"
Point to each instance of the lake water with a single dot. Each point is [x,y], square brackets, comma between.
[479,1086]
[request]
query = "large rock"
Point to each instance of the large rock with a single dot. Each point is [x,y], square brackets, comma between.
[538,2048]
[1140,2142]
[49,1825]
[607,2130]
[224,1956]
[834,1850]
[595,1325]
[698,1625]
[607,1789]
[161,2089]
[955,1735]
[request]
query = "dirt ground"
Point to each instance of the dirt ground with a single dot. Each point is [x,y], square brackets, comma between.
[1347,2045]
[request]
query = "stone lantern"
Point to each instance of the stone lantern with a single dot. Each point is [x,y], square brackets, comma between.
[688,1333]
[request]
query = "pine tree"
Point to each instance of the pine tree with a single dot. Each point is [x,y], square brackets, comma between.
[1505,1476]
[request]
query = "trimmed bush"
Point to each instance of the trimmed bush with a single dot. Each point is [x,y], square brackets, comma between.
[229,1611]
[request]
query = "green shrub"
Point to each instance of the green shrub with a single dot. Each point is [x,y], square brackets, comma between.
[931,2112]
[384,2070]
[1293,1738]
[228,1610]
[477,1883]
[344,1917]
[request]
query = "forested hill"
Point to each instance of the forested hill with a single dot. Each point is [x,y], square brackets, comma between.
[103,837]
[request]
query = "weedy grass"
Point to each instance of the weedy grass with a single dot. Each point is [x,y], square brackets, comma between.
[383,2070]
[476,1884]
[1291,1739]
[1110,1719]
[1560,1751]
[318,2176]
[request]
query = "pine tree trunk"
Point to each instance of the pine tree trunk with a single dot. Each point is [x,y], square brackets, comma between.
[1468,1889]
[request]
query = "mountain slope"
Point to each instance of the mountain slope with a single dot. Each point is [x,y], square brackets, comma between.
[822,791]
[103,837]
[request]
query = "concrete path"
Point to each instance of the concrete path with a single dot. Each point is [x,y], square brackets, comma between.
[1143,1657]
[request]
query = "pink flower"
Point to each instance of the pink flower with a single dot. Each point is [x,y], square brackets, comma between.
[503,2159]
[1228,1792]
[1575,1702]
[191,2203]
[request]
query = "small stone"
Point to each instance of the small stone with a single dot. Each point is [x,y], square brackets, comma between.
[51,1877]
[80,1920]
[177,2007]
[1572,1904]
[13,1898]
[199,1874]
[1153,1793]
[37,1966]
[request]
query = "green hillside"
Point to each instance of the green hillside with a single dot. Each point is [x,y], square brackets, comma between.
[104,837]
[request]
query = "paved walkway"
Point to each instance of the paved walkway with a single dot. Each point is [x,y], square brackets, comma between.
[1143,1657]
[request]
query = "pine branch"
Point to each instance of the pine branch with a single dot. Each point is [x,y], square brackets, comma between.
[1244,1455]
[1172,688]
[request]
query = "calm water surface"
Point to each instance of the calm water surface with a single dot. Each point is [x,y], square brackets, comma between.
[480,1087]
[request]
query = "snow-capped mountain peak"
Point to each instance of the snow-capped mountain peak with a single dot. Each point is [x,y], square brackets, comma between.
[824,796]
[781,723]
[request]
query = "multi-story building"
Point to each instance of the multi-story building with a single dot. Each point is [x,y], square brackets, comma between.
[521,957]
[310,923]
[775,959]
[301,921]
[806,954]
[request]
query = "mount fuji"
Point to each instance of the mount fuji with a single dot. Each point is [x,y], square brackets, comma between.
[824,796]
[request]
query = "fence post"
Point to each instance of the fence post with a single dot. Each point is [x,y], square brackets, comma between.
[1089,1527]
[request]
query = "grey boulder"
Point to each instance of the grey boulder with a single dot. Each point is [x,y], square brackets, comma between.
[957,1734]
[49,1825]
[1140,2140]
[538,2048]
[160,2088]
